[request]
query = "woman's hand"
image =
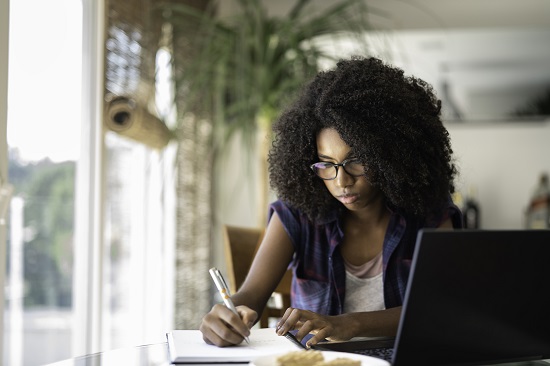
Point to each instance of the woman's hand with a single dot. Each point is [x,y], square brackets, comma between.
[334,328]
[222,327]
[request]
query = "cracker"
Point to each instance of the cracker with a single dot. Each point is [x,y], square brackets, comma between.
[300,358]
[340,361]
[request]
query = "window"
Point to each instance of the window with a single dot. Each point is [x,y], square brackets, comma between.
[43,135]
[90,230]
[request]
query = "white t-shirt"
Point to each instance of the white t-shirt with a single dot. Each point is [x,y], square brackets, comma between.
[364,286]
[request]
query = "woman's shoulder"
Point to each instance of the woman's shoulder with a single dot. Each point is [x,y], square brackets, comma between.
[284,210]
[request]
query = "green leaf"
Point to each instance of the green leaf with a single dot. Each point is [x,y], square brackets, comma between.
[245,67]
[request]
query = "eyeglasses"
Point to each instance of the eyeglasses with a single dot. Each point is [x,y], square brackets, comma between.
[329,171]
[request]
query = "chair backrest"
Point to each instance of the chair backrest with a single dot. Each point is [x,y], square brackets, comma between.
[240,245]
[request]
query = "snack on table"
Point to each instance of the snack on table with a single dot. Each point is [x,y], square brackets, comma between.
[300,358]
[313,358]
[340,361]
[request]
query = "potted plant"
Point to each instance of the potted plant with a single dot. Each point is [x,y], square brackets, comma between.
[233,75]
[238,71]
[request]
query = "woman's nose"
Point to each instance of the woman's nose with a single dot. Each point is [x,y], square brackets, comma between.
[343,179]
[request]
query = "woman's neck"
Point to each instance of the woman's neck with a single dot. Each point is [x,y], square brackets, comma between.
[364,233]
[374,214]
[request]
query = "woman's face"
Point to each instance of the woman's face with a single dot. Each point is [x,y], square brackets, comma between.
[354,192]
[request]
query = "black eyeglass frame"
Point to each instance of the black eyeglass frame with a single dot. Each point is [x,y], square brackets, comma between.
[335,166]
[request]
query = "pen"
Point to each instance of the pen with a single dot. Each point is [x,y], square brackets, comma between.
[224,291]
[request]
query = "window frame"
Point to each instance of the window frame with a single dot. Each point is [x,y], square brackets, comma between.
[4,49]
[87,284]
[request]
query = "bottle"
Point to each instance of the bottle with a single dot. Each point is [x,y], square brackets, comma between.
[539,205]
[458,200]
[542,190]
[471,210]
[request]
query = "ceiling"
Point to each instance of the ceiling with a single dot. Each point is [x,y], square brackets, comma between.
[428,14]
[485,58]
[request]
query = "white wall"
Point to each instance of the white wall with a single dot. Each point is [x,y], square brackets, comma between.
[236,197]
[236,182]
[503,161]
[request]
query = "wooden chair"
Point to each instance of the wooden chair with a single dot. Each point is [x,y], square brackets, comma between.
[240,245]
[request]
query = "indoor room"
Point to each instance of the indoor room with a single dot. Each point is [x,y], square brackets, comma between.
[134,136]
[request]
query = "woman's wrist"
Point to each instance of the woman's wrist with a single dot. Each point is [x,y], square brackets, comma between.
[371,324]
[351,324]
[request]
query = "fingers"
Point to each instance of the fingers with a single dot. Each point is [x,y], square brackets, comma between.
[320,335]
[222,327]
[297,319]
[288,321]
[317,325]
[248,316]
[306,322]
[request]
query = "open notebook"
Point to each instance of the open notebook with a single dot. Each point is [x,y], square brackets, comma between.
[187,346]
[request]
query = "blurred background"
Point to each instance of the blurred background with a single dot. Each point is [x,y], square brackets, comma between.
[121,155]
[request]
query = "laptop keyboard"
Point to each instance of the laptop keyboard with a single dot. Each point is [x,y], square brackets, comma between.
[383,353]
[382,348]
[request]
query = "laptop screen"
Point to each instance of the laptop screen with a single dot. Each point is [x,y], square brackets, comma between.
[476,297]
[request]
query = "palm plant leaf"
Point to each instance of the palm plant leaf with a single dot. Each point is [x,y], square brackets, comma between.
[248,65]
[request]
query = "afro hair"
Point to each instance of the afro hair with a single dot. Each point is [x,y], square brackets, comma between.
[392,124]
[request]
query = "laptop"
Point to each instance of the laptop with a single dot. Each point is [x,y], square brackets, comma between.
[474,297]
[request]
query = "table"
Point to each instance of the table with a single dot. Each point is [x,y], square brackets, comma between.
[146,355]
[157,355]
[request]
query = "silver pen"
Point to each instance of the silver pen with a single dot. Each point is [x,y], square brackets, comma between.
[224,291]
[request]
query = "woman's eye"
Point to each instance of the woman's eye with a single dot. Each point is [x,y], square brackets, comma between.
[323,165]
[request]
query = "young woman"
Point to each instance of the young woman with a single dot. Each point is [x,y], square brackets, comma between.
[360,162]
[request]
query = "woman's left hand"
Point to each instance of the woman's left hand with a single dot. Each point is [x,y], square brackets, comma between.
[334,328]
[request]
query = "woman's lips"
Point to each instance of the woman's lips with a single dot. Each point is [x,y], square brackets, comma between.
[348,198]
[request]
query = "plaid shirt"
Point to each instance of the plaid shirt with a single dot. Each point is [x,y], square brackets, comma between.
[319,281]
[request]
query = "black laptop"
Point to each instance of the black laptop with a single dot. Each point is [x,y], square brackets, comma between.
[475,297]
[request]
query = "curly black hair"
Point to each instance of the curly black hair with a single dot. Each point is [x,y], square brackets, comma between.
[392,124]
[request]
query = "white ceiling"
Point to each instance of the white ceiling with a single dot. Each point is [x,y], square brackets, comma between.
[446,14]
[423,14]
[494,55]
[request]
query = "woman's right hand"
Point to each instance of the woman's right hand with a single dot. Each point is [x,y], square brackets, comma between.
[222,327]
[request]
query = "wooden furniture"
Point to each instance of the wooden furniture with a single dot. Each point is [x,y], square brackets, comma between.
[240,245]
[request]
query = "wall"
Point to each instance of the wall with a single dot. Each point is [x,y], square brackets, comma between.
[236,186]
[236,196]
[503,161]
